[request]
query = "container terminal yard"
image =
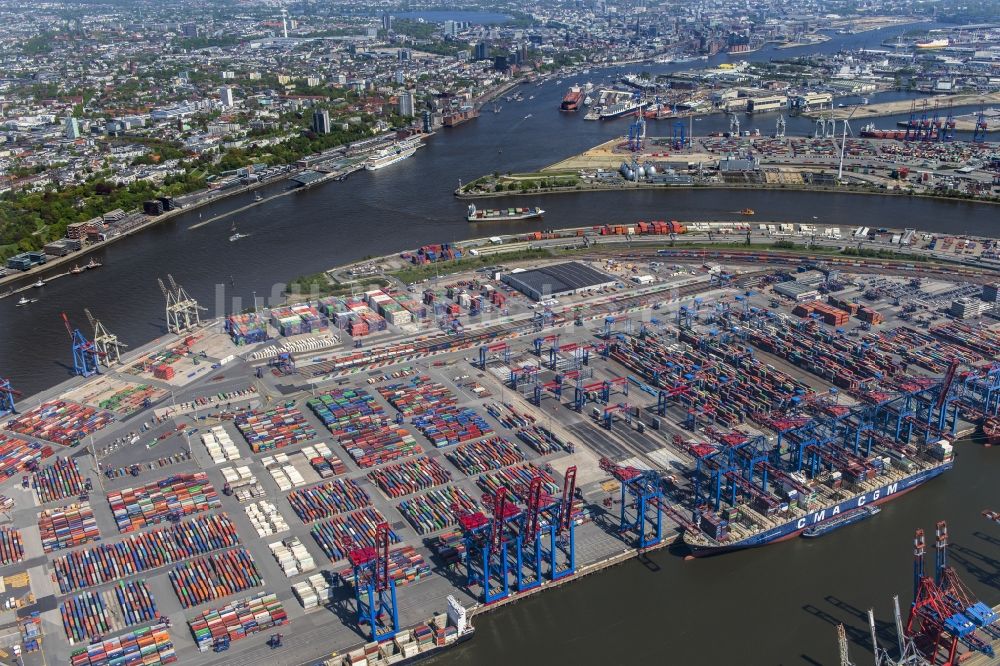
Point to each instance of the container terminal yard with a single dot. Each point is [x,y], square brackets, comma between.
[352,479]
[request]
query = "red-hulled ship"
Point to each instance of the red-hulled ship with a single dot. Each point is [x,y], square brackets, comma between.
[571,102]
[991,431]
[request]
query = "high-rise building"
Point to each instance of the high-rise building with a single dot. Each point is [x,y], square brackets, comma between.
[400,77]
[482,51]
[406,104]
[427,121]
[72,128]
[226,93]
[403,55]
[321,121]
[190,30]
[386,21]
[451,28]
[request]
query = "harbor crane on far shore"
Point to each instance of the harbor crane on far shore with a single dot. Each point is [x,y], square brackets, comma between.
[106,343]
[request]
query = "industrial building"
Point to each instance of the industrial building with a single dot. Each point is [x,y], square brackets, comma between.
[767,103]
[797,291]
[966,308]
[571,277]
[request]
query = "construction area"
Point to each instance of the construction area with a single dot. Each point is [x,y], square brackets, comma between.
[362,475]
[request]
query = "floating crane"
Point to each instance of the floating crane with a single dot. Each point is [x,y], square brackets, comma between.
[374,589]
[86,357]
[7,395]
[107,344]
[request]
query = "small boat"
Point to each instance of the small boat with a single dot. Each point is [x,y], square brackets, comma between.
[258,196]
[843,520]
[26,301]
[235,234]
[93,264]
[40,283]
[527,116]
[76,270]
[748,211]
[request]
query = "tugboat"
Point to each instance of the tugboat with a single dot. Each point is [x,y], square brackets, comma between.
[93,264]
[991,431]
[25,301]
[39,284]
[76,270]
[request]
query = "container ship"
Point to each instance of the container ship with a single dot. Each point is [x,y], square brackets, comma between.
[571,102]
[502,215]
[810,502]
[871,132]
[848,518]
[394,153]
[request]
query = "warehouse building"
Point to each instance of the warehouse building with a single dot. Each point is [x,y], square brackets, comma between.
[797,291]
[571,277]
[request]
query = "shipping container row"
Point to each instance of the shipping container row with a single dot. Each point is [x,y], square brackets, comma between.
[237,620]
[131,398]
[60,422]
[418,396]
[435,510]
[11,546]
[170,498]
[17,455]
[361,427]
[246,329]
[59,480]
[410,476]
[483,456]
[67,527]
[274,429]
[327,499]
[448,426]
[149,646]
[213,577]
[340,534]
[406,566]
[141,552]
[91,615]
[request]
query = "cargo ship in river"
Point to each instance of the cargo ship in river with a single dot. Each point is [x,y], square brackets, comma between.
[571,102]
[503,214]
[808,503]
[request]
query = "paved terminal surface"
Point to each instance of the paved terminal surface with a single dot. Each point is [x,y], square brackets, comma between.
[140,448]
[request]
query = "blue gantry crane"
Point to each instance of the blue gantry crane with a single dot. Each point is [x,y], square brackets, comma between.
[641,514]
[488,350]
[7,395]
[85,355]
[374,589]
[486,538]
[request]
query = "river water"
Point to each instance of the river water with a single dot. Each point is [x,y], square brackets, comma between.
[758,607]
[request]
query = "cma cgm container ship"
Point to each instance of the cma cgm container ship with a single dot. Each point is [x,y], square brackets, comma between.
[823,498]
